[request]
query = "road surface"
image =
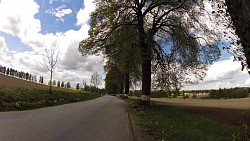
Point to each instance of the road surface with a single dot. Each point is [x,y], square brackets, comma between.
[101,119]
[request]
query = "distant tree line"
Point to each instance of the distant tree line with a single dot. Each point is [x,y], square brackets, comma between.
[229,93]
[20,74]
[59,84]
[213,94]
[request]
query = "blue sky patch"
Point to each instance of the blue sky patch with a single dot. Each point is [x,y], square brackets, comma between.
[14,43]
[50,23]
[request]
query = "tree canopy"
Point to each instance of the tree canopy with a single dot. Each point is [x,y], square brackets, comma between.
[233,19]
[170,38]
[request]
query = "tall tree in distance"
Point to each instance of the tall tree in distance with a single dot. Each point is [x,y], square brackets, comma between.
[58,83]
[51,59]
[77,86]
[96,79]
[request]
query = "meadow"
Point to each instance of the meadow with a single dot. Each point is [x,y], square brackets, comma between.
[17,94]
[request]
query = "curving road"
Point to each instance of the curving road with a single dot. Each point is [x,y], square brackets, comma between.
[101,119]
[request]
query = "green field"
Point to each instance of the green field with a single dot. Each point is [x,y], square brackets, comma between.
[170,123]
[13,99]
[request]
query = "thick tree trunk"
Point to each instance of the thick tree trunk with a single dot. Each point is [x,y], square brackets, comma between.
[239,11]
[121,87]
[146,83]
[146,63]
[126,84]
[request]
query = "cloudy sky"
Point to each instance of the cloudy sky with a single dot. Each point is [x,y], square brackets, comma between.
[27,27]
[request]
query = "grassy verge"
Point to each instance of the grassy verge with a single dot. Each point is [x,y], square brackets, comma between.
[167,123]
[27,99]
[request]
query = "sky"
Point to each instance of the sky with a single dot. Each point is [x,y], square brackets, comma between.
[27,27]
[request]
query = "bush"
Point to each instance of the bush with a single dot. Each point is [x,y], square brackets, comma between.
[185,96]
[194,96]
[158,94]
[243,134]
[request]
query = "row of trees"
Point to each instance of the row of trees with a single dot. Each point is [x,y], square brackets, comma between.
[60,84]
[166,41]
[95,81]
[229,93]
[20,74]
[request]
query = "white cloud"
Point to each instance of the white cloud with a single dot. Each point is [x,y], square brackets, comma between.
[59,12]
[222,70]
[3,46]
[84,14]
[222,74]
[247,82]
[17,17]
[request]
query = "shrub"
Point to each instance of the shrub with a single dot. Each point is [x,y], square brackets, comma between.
[158,94]
[194,96]
[243,134]
[185,96]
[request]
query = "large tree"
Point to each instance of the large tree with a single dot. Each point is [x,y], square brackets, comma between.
[169,34]
[234,17]
[240,14]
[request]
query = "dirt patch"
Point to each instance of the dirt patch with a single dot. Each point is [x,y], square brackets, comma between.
[239,104]
[229,111]
[228,116]
[12,82]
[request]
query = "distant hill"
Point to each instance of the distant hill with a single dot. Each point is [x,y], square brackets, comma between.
[12,82]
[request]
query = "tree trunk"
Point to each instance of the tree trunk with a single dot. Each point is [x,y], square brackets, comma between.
[121,87]
[146,63]
[146,83]
[126,84]
[239,11]
[50,84]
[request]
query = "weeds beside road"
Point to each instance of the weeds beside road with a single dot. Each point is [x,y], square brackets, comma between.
[14,99]
[166,122]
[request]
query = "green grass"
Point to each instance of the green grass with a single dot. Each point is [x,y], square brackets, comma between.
[170,123]
[27,99]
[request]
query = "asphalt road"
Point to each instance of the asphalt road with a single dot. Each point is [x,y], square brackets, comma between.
[101,119]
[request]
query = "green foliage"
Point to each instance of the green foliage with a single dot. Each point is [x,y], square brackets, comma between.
[194,96]
[58,83]
[243,134]
[174,124]
[229,93]
[77,86]
[62,84]
[135,33]
[113,78]
[26,99]
[185,96]
[159,94]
